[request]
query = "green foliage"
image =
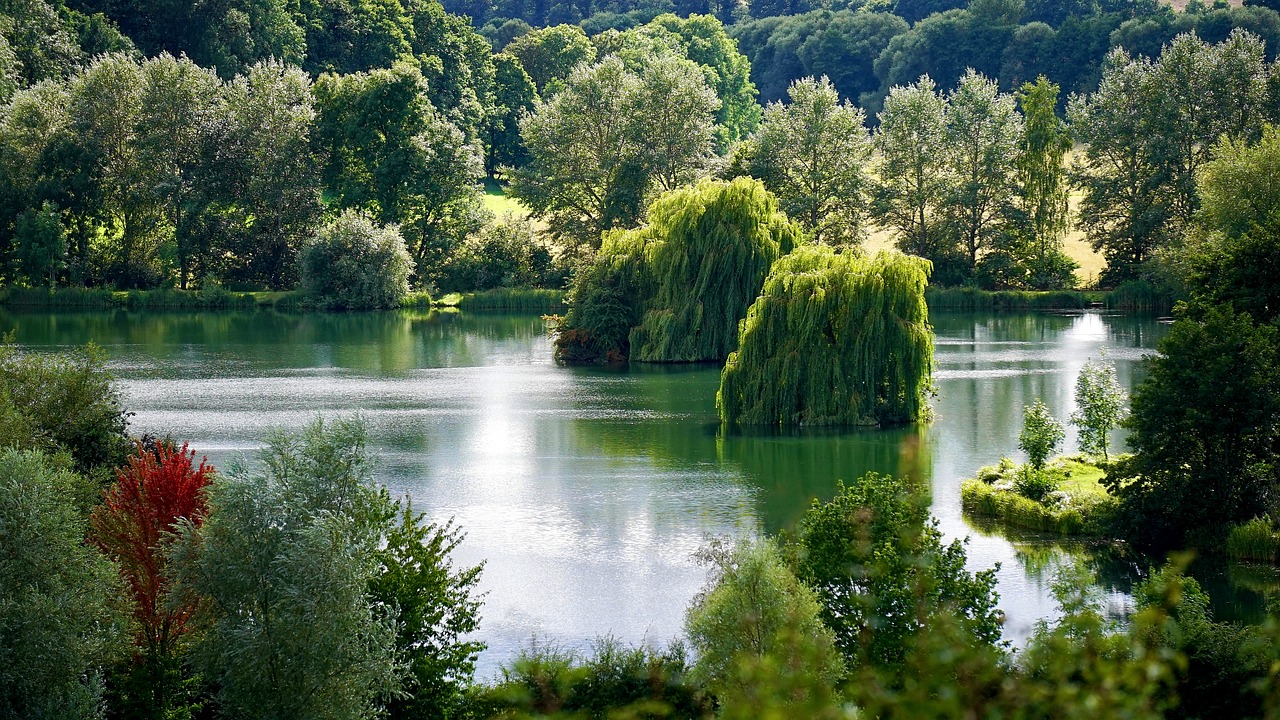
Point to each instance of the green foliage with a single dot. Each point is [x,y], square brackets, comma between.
[814,153]
[393,155]
[676,289]
[1203,426]
[613,681]
[1041,433]
[42,244]
[354,264]
[1255,541]
[972,298]
[1149,130]
[540,300]
[283,565]
[981,499]
[1139,296]
[708,249]
[1231,254]
[549,55]
[833,339]
[507,253]
[64,402]
[435,607]
[1064,497]
[1100,407]
[883,574]
[755,609]
[912,190]
[613,135]
[58,627]
[514,94]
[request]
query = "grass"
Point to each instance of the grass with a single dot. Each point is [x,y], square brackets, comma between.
[499,203]
[967,298]
[1255,541]
[1080,505]
[539,300]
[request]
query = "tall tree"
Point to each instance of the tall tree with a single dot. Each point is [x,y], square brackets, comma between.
[813,153]
[283,561]
[58,629]
[1044,195]
[514,95]
[913,184]
[549,55]
[674,109]
[983,131]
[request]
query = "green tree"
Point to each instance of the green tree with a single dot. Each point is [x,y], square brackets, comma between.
[393,155]
[1100,405]
[702,39]
[1041,433]
[982,133]
[1231,253]
[58,628]
[913,184]
[1204,427]
[436,608]
[270,183]
[514,96]
[9,67]
[68,402]
[549,55]
[353,264]
[595,153]
[813,153]
[42,244]
[883,574]
[754,609]
[283,563]
[1044,195]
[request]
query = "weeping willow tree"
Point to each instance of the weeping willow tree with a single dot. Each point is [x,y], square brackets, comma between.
[834,339]
[676,289]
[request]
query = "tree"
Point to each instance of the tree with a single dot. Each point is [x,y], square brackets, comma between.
[42,244]
[1230,255]
[283,563]
[755,609]
[436,609]
[159,488]
[1044,195]
[9,80]
[1041,433]
[595,155]
[983,131]
[514,96]
[832,339]
[702,39]
[68,402]
[58,629]
[1205,430]
[685,279]
[392,155]
[913,183]
[1149,129]
[550,55]
[1099,406]
[883,575]
[353,264]
[813,154]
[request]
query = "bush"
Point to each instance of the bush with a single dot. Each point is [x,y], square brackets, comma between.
[1041,433]
[1255,540]
[353,264]
[57,629]
[64,402]
[505,254]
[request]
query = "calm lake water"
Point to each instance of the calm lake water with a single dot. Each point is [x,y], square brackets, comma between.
[586,491]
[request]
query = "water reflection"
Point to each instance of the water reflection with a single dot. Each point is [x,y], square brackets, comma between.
[587,490]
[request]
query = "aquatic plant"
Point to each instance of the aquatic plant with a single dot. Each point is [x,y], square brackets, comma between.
[833,339]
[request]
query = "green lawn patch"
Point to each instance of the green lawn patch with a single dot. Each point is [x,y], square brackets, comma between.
[1071,499]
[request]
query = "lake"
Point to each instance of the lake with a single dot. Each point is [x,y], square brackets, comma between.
[587,491]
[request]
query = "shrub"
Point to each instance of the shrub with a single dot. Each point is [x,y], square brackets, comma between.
[1034,483]
[1041,433]
[57,629]
[353,264]
[506,253]
[1255,540]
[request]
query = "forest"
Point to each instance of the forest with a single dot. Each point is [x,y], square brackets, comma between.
[769,188]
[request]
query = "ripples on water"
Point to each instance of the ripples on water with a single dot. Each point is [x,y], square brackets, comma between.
[586,491]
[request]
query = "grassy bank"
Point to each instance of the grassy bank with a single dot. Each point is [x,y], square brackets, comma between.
[511,299]
[1076,504]
[974,299]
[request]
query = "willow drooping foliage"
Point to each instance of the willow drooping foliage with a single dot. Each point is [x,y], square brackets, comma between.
[676,289]
[834,339]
